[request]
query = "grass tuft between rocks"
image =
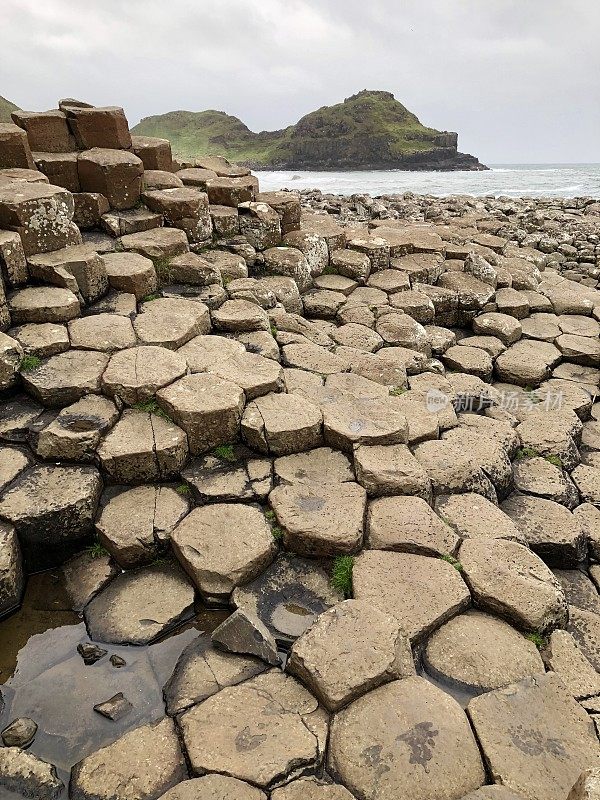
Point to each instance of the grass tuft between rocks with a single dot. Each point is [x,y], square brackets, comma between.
[276,531]
[29,363]
[538,640]
[151,407]
[396,391]
[225,452]
[526,452]
[341,575]
[149,297]
[454,561]
[183,489]
[97,550]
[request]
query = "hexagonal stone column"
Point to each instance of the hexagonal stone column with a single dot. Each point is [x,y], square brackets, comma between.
[52,509]
[136,374]
[421,592]
[282,424]
[117,174]
[137,606]
[222,546]
[208,408]
[257,732]
[143,447]
[405,739]
[535,737]
[123,767]
[320,520]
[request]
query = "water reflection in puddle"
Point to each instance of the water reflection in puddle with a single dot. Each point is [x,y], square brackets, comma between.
[44,677]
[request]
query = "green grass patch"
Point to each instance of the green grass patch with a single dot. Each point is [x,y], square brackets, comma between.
[29,363]
[552,459]
[396,391]
[225,452]
[151,407]
[539,641]
[526,452]
[454,561]
[273,329]
[183,489]
[163,268]
[97,550]
[276,531]
[341,575]
[149,297]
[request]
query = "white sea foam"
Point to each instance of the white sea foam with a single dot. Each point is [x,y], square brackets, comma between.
[512,180]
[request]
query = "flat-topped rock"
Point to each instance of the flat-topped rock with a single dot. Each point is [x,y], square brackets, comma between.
[52,509]
[136,374]
[535,738]
[549,528]
[131,272]
[420,734]
[123,767]
[42,339]
[66,377]
[389,470]
[230,473]
[74,434]
[84,576]
[421,592]
[281,424]
[379,653]
[255,732]
[216,570]
[43,304]
[321,465]
[320,520]
[140,605]
[288,596]
[143,447]
[471,516]
[408,525]
[116,174]
[136,524]
[311,789]
[210,787]
[507,579]
[478,652]
[103,332]
[207,407]
[240,315]
[170,322]
[157,242]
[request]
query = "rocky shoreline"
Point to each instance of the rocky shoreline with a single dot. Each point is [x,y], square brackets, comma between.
[366,430]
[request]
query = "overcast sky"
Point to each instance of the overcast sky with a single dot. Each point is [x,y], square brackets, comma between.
[518,79]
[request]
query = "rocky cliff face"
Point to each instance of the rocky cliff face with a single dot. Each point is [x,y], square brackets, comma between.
[370,130]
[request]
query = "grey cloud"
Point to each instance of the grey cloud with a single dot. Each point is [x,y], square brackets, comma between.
[517,80]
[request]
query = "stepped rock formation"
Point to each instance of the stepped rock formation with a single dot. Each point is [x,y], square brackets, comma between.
[370,425]
[370,130]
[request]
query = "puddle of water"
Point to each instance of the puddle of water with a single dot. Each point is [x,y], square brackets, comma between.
[292,619]
[44,678]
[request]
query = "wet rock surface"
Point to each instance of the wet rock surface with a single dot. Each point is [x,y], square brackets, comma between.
[370,425]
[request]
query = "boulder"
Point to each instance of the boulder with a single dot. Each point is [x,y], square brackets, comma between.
[99,127]
[15,151]
[243,632]
[155,153]
[130,272]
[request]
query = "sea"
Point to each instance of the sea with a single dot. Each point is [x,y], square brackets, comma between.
[508,180]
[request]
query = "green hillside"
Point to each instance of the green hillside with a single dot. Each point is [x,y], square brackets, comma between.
[371,129]
[5,108]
